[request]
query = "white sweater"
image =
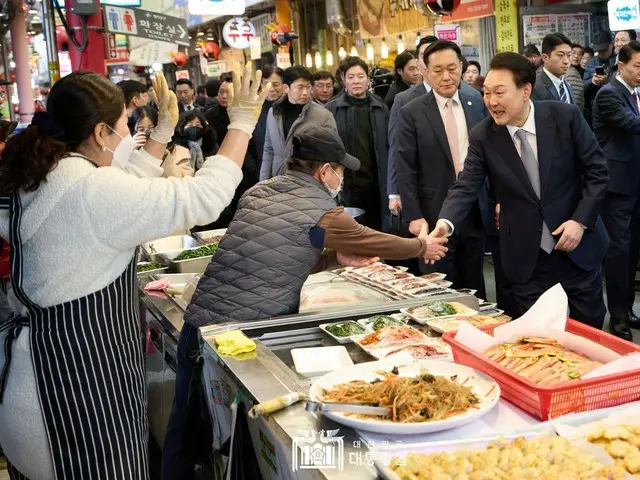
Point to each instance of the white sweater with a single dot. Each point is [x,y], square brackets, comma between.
[80,228]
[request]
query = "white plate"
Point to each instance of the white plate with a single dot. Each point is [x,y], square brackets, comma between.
[348,339]
[444,325]
[316,360]
[400,318]
[488,306]
[432,277]
[494,312]
[483,384]
[423,320]
[420,338]
[447,355]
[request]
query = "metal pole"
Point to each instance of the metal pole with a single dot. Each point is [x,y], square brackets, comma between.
[5,65]
[49,31]
[20,45]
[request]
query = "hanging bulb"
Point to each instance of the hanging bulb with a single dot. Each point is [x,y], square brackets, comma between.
[308,61]
[354,51]
[318,60]
[384,49]
[342,53]
[369,51]
[210,37]
[400,45]
[417,39]
[200,34]
[329,61]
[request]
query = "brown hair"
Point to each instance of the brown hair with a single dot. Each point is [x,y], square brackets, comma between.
[76,104]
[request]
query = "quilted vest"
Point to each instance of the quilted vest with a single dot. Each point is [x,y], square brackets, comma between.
[265,256]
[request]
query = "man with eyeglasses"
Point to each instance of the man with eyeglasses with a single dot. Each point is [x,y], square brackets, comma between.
[294,109]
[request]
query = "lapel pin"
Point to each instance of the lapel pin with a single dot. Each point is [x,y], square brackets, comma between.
[469,103]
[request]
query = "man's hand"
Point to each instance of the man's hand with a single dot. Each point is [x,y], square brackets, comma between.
[572,233]
[435,246]
[415,226]
[355,260]
[395,205]
[441,230]
[598,80]
[497,216]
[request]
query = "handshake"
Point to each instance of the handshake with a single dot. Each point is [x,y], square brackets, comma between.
[434,242]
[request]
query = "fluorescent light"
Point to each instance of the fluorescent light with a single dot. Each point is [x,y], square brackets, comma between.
[400,45]
[370,51]
[329,58]
[308,61]
[384,49]
[342,53]
[354,51]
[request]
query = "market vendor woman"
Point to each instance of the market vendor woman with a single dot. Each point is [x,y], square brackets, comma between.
[284,229]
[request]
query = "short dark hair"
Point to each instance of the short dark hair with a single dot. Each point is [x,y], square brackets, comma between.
[577,45]
[296,72]
[439,46]
[428,40]
[530,50]
[226,78]
[475,64]
[632,34]
[626,52]
[350,62]
[588,50]
[520,67]
[140,113]
[212,87]
[402,60]
[269,70]
[201,89]
[322,75]
[185,81]
[131,89]
[553,40]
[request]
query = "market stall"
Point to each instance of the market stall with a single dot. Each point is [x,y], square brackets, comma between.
[363,316]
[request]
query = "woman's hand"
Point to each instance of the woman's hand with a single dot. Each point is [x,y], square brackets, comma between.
[140,138]
[168,113]
[247,103]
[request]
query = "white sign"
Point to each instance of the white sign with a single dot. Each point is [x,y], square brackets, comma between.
[256,48]
[215,69]
[449,31]
[312,450]
[180,74]
[238,33]
[217,8]
[156,52]
[623,15]
[283,60]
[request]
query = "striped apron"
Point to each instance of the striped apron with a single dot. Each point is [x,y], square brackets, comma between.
[88,358]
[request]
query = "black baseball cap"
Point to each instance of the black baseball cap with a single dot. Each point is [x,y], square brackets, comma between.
[602,40]
[317,143]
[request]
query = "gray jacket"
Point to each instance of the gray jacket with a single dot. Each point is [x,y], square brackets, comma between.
[277,148]
[266,254]
[574,79]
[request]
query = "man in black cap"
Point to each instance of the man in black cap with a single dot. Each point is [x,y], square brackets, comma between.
[288,227]
[598,68]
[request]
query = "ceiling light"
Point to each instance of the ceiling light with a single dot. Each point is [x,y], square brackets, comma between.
[210,37]
[354,51]
[200,34]
[308,61]
[369,51]
[384,49]
[400,45]
[329,58]
[342,53]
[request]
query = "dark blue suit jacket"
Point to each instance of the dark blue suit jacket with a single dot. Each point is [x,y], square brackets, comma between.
[573,181]
[616,123]
[424,161]
[546,90]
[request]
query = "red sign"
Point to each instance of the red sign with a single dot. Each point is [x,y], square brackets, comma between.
[469,9]
[115,54]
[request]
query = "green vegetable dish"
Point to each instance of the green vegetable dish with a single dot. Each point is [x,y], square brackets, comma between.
[345,329]
[203,251]
[147,267]
[442,308]
[376,323]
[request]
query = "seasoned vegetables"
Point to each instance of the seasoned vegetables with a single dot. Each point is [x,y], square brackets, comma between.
[147,267]
[345,329]
[203,251]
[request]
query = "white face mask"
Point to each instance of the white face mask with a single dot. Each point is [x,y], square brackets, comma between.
[334,192]
[123,151]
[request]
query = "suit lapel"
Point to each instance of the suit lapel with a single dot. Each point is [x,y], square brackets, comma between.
[545,139]
[550,86]
[503,143]
[572,99]
[625,93]
[469,110]
[435,120]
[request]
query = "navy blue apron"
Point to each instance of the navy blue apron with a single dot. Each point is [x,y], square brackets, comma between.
[88,358]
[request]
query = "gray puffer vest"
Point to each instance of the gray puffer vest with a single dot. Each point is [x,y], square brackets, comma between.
[265,256]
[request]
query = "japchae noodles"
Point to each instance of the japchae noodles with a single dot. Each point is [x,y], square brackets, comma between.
[424,398]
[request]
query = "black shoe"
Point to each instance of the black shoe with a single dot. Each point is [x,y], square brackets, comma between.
[619,326]
[634,321]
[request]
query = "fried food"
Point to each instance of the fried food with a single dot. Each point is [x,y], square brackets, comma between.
[622,442]
[552,458]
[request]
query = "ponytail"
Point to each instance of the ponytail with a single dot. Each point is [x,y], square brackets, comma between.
[27,160]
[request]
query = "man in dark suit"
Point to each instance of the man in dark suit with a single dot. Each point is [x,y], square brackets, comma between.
[550,81]
[616,123]
[431,145]
[551,177]
[186,96]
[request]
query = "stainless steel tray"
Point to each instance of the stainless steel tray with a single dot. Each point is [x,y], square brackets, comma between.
[148,273]
[205,235]
[155,249]
[191,265]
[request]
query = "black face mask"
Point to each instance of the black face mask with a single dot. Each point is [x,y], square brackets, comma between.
[194,133]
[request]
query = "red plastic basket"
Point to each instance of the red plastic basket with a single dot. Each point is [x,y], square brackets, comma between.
[551,402]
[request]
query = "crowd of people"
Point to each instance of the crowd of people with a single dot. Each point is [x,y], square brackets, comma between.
[533,162]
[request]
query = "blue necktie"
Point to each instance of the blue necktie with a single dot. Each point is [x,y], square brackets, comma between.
[563,93]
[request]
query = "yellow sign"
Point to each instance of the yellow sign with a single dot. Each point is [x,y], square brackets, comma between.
[506,12]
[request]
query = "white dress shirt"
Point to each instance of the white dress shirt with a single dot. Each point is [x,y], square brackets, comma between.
[557,81]
[461,122]
[426,86]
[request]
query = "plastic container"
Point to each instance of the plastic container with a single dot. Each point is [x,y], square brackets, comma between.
[545,403]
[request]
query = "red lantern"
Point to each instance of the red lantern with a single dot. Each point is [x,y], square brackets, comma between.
[211,50]
[180,59]
[62,39]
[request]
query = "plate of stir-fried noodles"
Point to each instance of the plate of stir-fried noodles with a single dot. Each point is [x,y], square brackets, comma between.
[423,396]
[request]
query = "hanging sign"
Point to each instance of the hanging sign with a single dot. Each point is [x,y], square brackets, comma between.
[238,33]
[283,60]
[145,24]
[623,15]
[216,7]
[256,48]
[215,69]
[180,74]
[506,26]
[449,31]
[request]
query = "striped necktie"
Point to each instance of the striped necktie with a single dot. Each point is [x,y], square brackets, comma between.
[563,93]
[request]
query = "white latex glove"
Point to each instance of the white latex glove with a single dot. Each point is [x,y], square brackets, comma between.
[167,110]
[247,103]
